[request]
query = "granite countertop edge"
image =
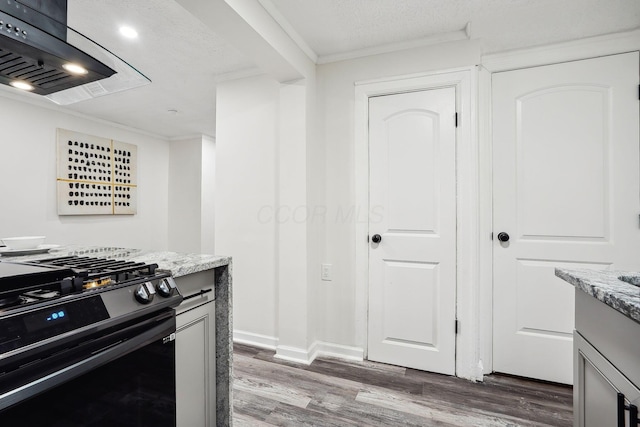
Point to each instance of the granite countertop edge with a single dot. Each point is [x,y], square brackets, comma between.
[605,286]
[178,263]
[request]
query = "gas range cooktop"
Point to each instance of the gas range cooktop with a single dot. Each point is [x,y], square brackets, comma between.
[31,282]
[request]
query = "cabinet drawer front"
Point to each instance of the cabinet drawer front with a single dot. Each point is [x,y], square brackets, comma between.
[614,335]
[597,383]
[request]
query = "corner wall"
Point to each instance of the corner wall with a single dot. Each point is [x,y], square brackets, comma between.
[262,209]
[28,181]
[191,195]
[246,197]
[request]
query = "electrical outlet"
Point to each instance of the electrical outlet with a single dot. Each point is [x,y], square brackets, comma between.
[325,272]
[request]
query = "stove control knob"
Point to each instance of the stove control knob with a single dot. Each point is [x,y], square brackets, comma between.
[144,293]
[164,288]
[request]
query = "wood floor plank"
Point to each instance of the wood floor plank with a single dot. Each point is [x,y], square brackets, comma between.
[516,397]
[368,365]
[250,406]
[479,396]
[435,411]
[331,395]
[336,392]
[268,389]
[286,415]
[246,350]
[360,412]
[297,377]
[366,375]
[247,421]
[531,388]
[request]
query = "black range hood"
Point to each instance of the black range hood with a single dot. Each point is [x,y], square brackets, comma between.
[33,48]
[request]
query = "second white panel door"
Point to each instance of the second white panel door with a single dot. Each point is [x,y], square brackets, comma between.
[565,173]
[412,269]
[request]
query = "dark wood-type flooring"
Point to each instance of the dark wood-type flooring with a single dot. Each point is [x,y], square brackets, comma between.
[335,392]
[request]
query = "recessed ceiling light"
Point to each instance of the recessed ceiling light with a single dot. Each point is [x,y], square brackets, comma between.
[74,68]
[21,85]
[128,32]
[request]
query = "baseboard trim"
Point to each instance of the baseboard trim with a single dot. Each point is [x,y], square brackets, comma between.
[317,349]
[255,340]
[293,354]
[299,355]
[321,348]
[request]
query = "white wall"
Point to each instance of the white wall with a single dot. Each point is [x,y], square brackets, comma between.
[264,130]
[185,177]
[246,192]
[316,175]
[263,203]
[28,181]
[191,195]
[207,196]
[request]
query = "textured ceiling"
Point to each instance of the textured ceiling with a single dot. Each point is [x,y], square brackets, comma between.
[183,57]
[337,26]
[180,55]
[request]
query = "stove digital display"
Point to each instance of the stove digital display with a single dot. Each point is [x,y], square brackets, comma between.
[58,315]
[45,319]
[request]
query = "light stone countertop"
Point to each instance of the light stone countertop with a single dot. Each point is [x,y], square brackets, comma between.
[180,264]
[606,287]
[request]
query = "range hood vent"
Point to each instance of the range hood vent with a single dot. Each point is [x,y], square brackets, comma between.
[17,67]
[34,56]
[35,45]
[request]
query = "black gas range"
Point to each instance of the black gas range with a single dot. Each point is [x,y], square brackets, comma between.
[96,327]
[23,284]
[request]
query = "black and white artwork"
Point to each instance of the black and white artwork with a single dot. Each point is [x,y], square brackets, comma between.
[96,176]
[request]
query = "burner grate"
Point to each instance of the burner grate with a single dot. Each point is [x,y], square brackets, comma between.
[10,301]
[67,275]
[92,267]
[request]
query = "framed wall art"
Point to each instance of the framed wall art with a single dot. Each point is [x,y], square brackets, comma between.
[96,176]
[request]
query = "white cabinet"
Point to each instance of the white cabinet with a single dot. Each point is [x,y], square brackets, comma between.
[606,370]
[195,363]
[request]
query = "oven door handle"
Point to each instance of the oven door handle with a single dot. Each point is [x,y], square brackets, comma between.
[165,330]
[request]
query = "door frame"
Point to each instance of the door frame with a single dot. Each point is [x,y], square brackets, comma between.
[464,80]
[576,50]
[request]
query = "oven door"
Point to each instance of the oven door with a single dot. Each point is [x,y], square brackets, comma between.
[124,377]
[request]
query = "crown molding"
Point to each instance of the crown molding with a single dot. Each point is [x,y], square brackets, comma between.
[589,47]
[393,47]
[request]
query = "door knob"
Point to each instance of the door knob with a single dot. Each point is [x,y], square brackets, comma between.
[503,237]
[376,238]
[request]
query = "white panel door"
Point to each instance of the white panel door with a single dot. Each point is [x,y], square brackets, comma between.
[412,270]
[566,191]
